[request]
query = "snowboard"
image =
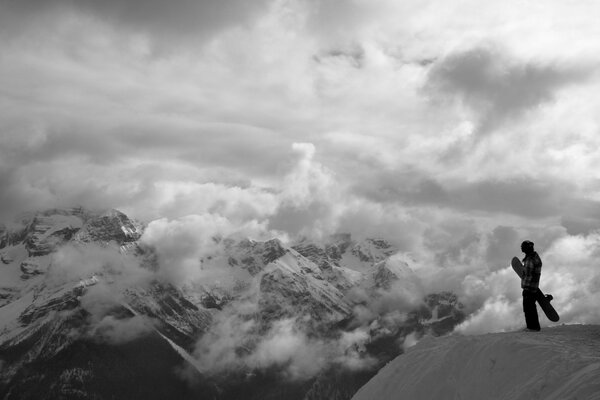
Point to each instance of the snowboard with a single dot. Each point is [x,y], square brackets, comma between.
[542,299]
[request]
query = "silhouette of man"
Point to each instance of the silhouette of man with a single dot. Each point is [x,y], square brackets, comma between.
[530,284]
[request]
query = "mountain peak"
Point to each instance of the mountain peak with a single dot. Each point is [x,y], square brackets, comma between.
[557,363]
[41,232]
[111,225]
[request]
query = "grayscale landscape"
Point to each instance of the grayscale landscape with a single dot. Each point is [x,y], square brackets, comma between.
[297,199]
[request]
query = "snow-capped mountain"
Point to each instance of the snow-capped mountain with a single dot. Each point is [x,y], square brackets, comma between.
[555,364]
[86,312]
[61,292]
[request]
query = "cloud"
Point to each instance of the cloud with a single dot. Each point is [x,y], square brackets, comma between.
[103,274]
[499,89]
[208,129]
[102,108]
[572,277]
[496,315]
[535,199]
[524,196]
[568,273]
[235,343]
[76,262]
[182,244]
[116,331]
[103,303]
[285,346]
[310,200]
[307,180]
[238,204]
[503,240]
[180,17]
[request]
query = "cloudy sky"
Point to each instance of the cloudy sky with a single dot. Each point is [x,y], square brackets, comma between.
[456,129]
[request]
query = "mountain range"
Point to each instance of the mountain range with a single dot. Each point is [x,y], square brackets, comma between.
[89,310]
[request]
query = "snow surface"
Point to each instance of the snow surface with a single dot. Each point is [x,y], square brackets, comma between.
[559,363]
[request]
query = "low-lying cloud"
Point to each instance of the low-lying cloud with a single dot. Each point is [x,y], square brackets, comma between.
[116,331]
[182,244]
[76,262]
[235,344]
[103,274]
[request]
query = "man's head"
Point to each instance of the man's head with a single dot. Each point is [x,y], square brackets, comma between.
[527,247]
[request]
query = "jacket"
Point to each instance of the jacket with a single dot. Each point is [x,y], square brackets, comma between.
[531,272]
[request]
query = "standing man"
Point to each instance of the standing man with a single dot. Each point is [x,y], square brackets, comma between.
[530,284]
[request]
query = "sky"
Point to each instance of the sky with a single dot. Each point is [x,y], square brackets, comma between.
[454,129]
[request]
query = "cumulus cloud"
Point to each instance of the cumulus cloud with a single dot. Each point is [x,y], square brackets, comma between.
[311,200]
[221,117]
[496,315]
[572,275]
[181,244]
[307,180]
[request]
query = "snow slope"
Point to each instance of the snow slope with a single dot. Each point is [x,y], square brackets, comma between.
[560,363]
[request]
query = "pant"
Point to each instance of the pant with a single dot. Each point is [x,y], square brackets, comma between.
[531,315]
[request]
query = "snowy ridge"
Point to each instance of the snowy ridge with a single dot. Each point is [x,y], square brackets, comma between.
[556,364]
[293,285]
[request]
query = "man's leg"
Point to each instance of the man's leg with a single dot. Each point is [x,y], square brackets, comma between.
[531,315]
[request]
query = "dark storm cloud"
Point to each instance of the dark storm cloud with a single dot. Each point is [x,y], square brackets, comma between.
[497,88]
[153,16]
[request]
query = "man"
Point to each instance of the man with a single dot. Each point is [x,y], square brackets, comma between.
[530,284]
